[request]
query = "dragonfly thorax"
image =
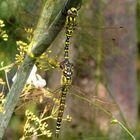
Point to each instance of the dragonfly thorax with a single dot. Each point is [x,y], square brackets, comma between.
[67,71]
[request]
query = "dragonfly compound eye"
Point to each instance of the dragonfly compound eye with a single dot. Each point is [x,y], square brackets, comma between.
[73,10]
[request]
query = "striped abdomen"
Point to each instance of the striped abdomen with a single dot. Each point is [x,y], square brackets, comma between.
[67,43]
[70,26]
[66,49]
[61,109]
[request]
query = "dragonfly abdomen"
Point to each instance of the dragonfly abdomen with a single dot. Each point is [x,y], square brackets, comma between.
[61,110]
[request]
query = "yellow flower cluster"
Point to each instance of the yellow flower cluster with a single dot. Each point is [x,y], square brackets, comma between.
[35,127]
[3,33]
[23,46]
[29,32]
[44,62]
[22,51]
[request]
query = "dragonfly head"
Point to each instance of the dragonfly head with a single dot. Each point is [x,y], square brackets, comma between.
[72,12]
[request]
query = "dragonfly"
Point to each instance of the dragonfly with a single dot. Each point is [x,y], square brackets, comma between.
[66,66]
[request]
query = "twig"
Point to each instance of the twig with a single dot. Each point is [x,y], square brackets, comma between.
[7,81]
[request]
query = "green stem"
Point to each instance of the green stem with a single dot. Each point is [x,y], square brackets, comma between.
[46,118]
[115,121]
[7,67]
[7,81]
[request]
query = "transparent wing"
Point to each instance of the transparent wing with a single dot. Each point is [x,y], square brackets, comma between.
[93,38]
[32,96]
[44,95]
[87,112]
[102,104]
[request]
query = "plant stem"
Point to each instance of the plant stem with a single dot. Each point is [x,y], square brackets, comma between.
[115,121]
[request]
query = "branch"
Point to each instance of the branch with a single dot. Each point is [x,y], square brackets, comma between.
[37,48]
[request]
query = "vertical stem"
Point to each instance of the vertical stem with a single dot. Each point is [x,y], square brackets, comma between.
[99,44]
[7,81]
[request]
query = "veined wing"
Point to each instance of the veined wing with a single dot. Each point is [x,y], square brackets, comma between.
[42,96]
[34,96]
[89,32]
[79,95]
[28,14]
